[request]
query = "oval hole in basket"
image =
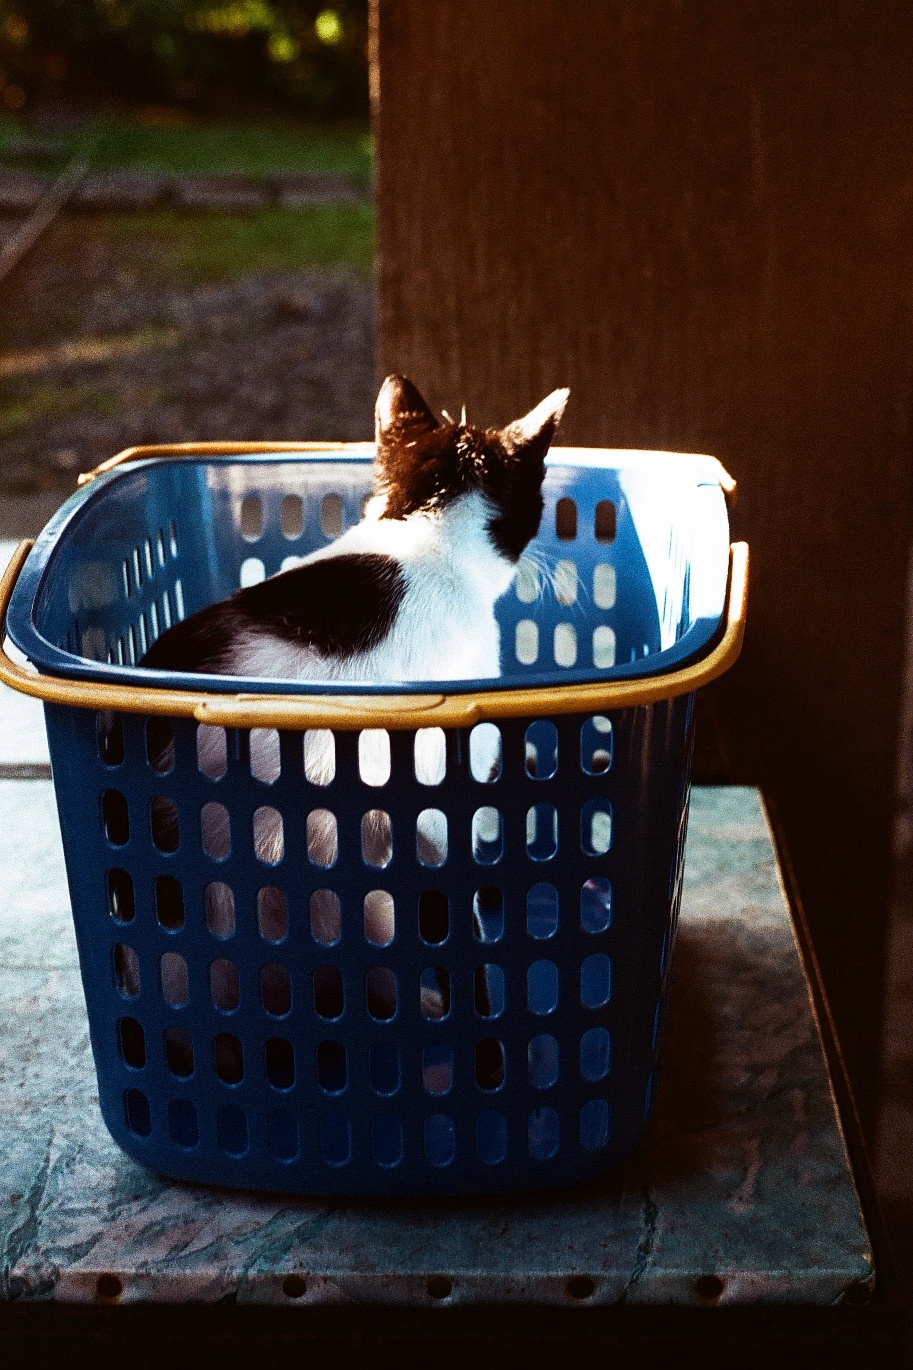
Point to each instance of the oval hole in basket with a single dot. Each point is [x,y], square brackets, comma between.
[489,991]
[430,756]
[542,987]
[174,979]
[526,581]
[605,521]
[229,1058]
[212,751]
[596,745]
[179,1052]
[160,745]
[291,516]
[379,917]
[543,1134]
[488,914]
[604,585]
[384,1068]
[596,904]
[132,1042]
[126,970]
[487,836]
[326,917]
[169,902]
[251,518]
[437,1069]
[332,1072]
[526,641]
[279,1056]
[252,572]
[376,838]
[331,516]
[485,753]
[163,817]
[542,911]
[604,647]
[491,1138]
[269,837]
[542,832]
[595,1057]
[215,830]
[595,980]
[272,914]
[565,644]
[541,750]
[275,989]
[490,1063]
[329,1000]
[322,838]
[374,756]
[110,734]
[431,837]
[381,993]
[115,818]
[220,909]
[319,748]
[596,827]
[564,580]
[433,916]
[439,1140]
[542,1061]
[434,992]
[183,1123]
[265,760]
[121,902]
[566,520]
[224,988]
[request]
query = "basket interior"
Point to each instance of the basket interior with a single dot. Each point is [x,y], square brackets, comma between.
[627,575]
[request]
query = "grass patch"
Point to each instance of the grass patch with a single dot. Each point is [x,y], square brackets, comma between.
[158,143]
[42,402]
[211,246]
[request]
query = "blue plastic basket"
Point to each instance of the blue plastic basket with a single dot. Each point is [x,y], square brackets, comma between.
[243,1024]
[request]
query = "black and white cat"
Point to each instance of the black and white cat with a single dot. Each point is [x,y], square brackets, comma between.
[408,594]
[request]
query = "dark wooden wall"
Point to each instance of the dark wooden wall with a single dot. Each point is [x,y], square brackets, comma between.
[699,216]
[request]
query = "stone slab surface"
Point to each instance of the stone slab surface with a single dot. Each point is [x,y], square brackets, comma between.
[744,1173]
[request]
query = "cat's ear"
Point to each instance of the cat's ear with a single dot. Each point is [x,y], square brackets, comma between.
[537,428]
[400,413]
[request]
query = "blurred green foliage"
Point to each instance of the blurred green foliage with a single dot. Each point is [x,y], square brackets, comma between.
[207,55]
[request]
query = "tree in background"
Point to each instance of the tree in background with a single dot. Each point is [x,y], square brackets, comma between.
[204,54]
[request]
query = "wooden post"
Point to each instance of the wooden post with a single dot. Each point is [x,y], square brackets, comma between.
[699,217]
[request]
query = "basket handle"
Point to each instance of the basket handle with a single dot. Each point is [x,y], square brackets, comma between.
[212,449]
[351,712]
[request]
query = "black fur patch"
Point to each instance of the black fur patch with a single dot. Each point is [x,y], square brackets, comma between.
[340,606]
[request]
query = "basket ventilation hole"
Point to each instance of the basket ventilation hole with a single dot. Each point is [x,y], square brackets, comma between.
[291,517]
[596,827]
[160,745]
[224,990]
[229,1058]
[379,917]
[543,1131]
[183,1124]
[319,756]
[137,1113]
[169,903]
[596,745]
[526,581]
[215,829]
[439,1140]
[542,1061]
[596,904]
[433,916]
[603,647]
[269,840]
[251,518]
[265,760]
[174,979]
[220,909]
[282,1137]
[437,1069]
[212,751]
[110,733]
[376,838]
[322,838]
[604,586]
[542,987]
[126,970]
[331,516]
[167,619]
[384,1068]
[485,753]
[594,1125]
[115,818]
[178,600]
[564,579]
[328,995]
[542,911]
[374,756]
[490,1063]
[381,992]
[566,520]
[272,913]
[126,577]
[434,992]
[132,653]
[121,903]
[541,750]
[132,1042]
[172,538]
[489,991]
[163,817]
[276,989]
[94,646]
[487,836]
[431,837]
[430,756]
[605,521]
[179,1052]
[160,547]
[279,1056]
[488,914]
[387,1141]
[526,642]
[595,1056]
[491,1138]
[137,568]
[565,644]
[326,917]
[252,572]
[542,832]
[595,980]
[332,1074]
[335,1140]
[231,1127]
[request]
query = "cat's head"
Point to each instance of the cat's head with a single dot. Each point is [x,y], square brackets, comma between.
[423,465]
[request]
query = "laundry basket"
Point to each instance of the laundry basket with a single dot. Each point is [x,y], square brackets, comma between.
[246,1029]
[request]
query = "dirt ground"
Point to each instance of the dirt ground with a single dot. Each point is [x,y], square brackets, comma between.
[99,352]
